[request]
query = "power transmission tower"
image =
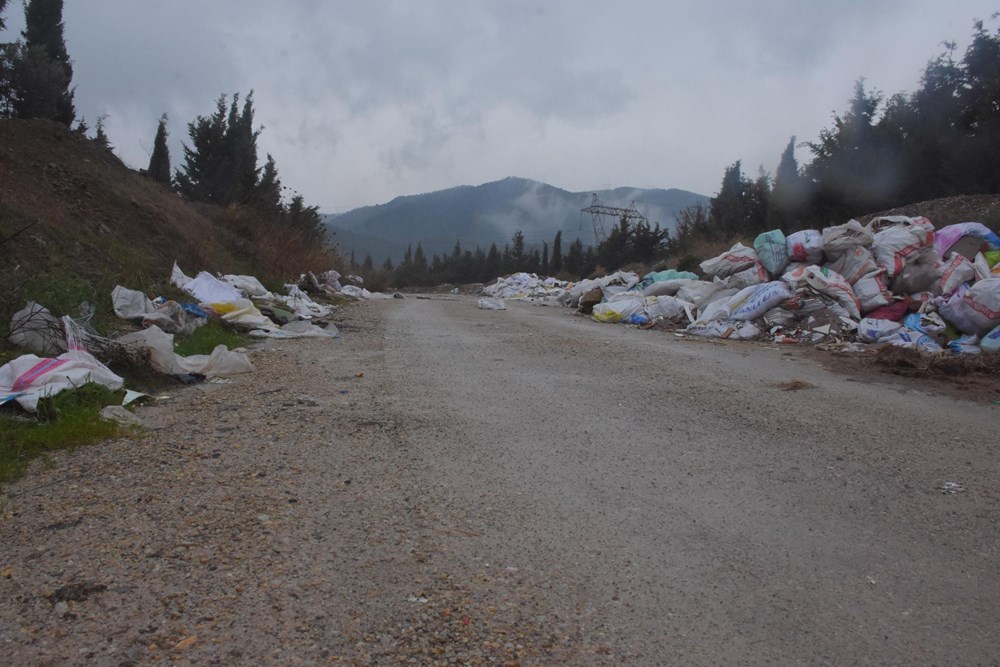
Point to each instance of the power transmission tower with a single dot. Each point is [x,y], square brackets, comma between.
[598,211]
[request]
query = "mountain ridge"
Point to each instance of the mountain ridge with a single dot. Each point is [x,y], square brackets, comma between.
[478,215]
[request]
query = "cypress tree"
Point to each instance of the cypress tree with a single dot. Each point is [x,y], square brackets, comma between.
[555,263]
[44,30]
[159,161]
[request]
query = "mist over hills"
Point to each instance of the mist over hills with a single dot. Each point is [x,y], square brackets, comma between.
[491,213]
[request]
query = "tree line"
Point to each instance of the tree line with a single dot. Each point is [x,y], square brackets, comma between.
[220,164]
[882,152]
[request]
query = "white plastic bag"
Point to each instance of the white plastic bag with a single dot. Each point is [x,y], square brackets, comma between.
[854,264]
[29,378]
[871,292]
[872,330]
[631,310]
[667,307]
[840,238]
[894,245]
[955,272]
[975,310]
[491,303]
[222,362]
[826,282]
[805,246]
[736,259]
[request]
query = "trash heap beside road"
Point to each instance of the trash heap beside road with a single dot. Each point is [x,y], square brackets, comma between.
[896,280]
[72,347]
[527,287]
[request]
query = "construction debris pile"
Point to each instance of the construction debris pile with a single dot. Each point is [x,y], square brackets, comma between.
[896,280]
[72,346]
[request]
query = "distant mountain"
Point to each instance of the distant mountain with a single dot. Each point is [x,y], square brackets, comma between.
[491,213]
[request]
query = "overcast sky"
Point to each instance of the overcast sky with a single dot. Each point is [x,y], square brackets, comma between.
[362,101]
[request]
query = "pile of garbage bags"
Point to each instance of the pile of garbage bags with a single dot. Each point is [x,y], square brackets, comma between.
[896,280]
[69,344]
[527,287]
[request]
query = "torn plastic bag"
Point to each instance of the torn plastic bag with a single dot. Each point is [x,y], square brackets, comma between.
[841,238]
[872,292]
[948,236]
[734,329]
[490,303]
[208,289]
[35,328]
[805,246]
[249,286]
[772,251]
[854,264]
[965,345]
[826,282]
[736,259]
[872,331]
[30,378]
[955,272]
[300,303]
[130,304]
[894,245]
[975,310]
[178,278]
[160,347]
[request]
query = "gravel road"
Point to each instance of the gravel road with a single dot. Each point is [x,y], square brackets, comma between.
[446,485]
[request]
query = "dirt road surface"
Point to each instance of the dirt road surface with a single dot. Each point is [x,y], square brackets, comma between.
[447,485]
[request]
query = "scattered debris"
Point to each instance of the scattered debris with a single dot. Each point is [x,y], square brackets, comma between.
[951,488]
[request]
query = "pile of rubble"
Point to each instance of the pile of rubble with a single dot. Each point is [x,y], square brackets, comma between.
[526,287]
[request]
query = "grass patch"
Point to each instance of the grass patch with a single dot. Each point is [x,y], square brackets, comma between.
[68,419]
[205,338]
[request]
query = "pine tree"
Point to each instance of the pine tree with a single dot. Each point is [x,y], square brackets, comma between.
[43,38]
[517,257]
[200,177]
[545,258]
[159,161]
[100,137]
[268,194]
